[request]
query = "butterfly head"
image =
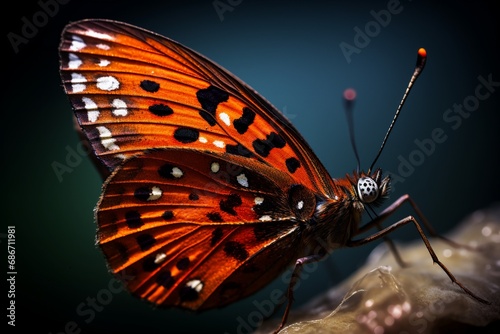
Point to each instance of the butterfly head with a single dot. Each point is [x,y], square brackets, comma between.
[371,188]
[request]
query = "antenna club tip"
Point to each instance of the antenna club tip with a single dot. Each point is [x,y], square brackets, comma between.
[422,52]
[349,94]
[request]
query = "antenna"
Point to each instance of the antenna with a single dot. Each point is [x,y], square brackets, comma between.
[421,59]
[349,98]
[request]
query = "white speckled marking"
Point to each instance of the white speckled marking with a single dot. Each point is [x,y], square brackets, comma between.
[155,193]
[242,180]
[258,200]
[107,139]
[219,143]
[77,81]
[74,61]
[103,46]
[120,107]
[215,167]
[177,172]
[160,257]
[195,284]
[77,78]
[108,83]
[265,218]
[99,35]
[92,109]
[225,118]
[77,43]
[104,63]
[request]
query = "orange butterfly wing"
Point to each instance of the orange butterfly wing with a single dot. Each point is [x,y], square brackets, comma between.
[196,222]
[197,235]
[133,90]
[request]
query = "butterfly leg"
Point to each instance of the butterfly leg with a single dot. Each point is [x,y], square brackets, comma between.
[394,206]
[392,247]
[293,281]
[402,222]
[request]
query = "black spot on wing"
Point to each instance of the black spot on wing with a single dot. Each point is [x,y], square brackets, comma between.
[235,250]
[238,150]
[264,147]
[228,205]
[183,263]
[188,293]
[167,215]
[292,164]
[165,279]
[150,86]
[215,217]
[149,264]
[133,219]
[122,250]
[160,109]
[145,241]
[186,135]
[241,124]
[209,99]
[216,236]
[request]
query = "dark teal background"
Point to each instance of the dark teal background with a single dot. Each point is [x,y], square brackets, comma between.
[290,53]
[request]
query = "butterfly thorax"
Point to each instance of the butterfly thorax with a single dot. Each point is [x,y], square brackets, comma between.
[337,219]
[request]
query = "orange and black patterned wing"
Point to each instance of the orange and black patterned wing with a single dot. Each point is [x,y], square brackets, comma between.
[199,230]
[134,90]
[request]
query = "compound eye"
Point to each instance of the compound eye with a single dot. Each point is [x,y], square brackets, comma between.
[367,189]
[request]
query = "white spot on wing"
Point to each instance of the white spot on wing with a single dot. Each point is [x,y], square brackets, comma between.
[215,167]
[177,172]
[77,78]
[103,132]
[99,35]
[242,180]
[265,218]
[77,43]
[109,144]
[300,205]
[225,118]
[77,88]
[92,109]
[160,257]
[107,139]
[103,46]
[89,104]
[219,143]
[258,200]
[104,63]
[203,140]
[155,193]
[93,115]
[120,107]
[195,284]
[108,83]
[74,61]
[77,81]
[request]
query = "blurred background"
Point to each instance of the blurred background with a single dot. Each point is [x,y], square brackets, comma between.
[300,56]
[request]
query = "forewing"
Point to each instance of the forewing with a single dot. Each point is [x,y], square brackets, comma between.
[134,90]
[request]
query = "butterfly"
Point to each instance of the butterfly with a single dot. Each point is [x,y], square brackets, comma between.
[210,192]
